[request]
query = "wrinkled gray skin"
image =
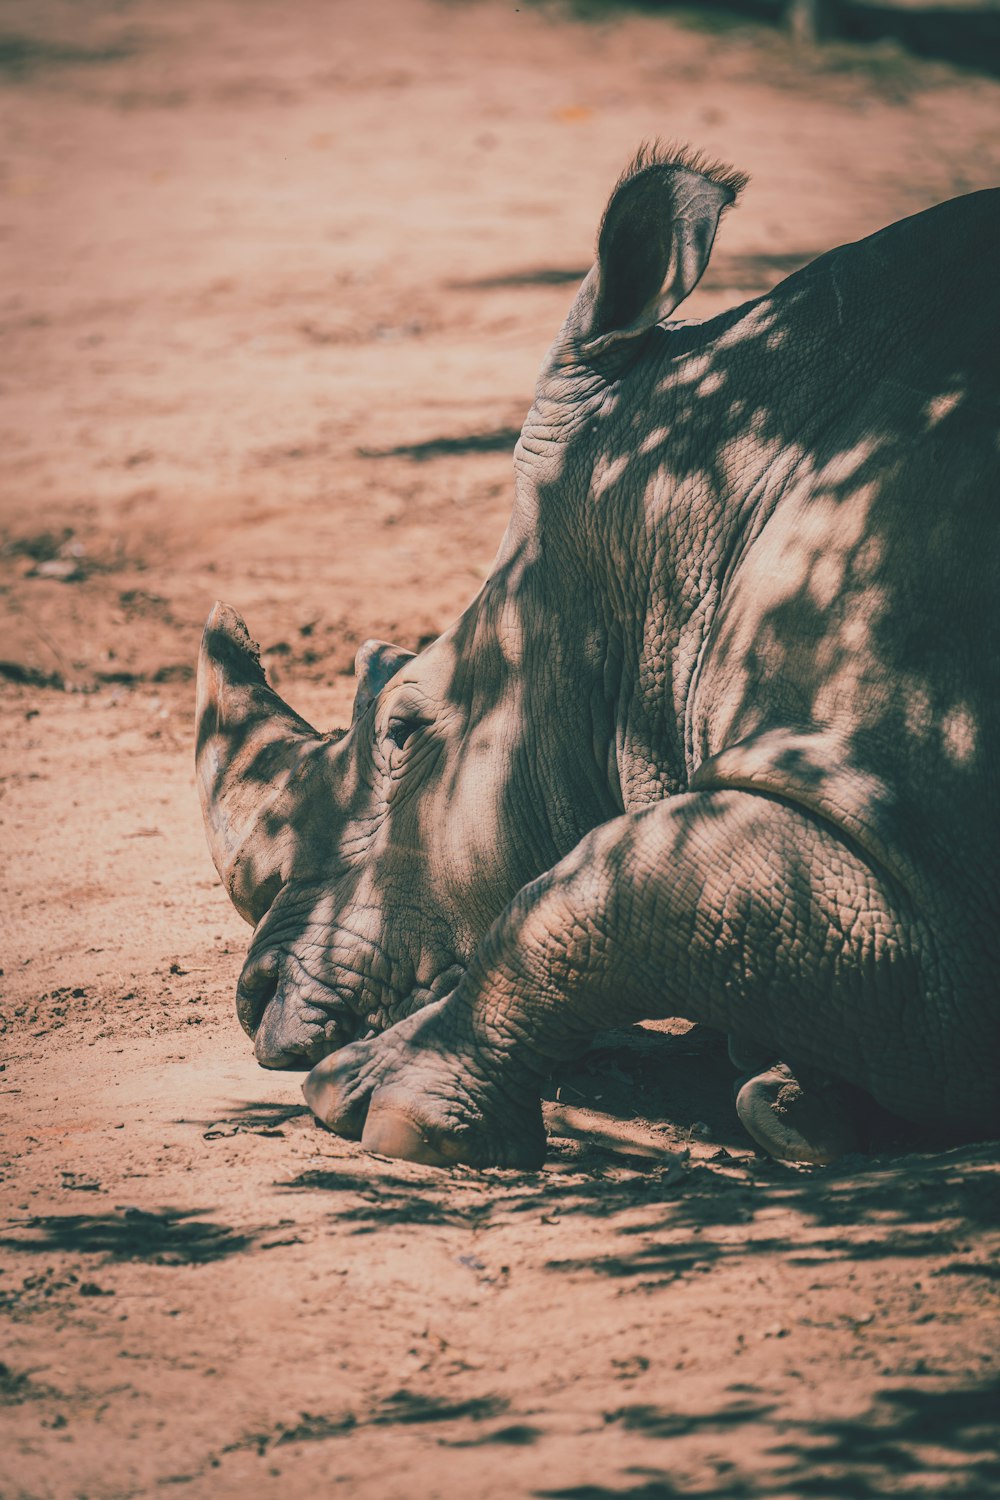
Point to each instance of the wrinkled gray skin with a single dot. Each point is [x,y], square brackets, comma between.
[718,737]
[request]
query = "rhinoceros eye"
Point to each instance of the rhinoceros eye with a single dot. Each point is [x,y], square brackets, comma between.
[400,730]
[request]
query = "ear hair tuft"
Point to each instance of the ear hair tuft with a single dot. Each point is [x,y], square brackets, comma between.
[660,154]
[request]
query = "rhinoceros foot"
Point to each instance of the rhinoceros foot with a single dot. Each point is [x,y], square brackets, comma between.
[409,1093]
[812,1119]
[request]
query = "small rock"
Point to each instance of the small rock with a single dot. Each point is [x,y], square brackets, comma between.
[62,569]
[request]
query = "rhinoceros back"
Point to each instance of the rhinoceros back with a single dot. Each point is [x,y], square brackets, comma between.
[854,662]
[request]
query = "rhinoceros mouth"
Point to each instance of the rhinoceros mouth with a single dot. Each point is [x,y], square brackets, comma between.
[295,1019]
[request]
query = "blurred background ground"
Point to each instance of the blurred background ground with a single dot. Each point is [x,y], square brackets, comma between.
[278,278]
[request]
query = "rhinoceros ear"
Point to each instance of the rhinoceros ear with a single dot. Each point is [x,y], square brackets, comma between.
[258,765]
[653,245]
[374,664]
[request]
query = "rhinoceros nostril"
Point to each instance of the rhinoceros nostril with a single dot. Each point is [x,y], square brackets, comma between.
[255,990]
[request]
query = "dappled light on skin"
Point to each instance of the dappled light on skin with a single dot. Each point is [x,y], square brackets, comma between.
[746,599]
[713,382]
[942,406]
[792,600]
[845,464]
[755,322]
[959,735]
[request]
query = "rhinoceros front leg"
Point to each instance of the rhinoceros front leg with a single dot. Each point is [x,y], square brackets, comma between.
[430,1090]
[724,906]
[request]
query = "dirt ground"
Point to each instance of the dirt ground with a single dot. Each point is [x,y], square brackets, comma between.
[277,280]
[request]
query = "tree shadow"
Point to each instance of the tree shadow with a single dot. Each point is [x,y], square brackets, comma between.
[501,440]
[164,1237]
[385,1199]
[404,1408]
[753,271]
[540,276]
[862,1210]
[19,1386]
[21,57]
[911,1441]
[682,1219]
[915,1440]
[257,1117]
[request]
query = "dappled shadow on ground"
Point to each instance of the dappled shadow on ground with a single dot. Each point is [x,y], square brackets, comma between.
[500,440]
[915,1441]
[167,1237]
[22,56]
[18,1386]
[387,1198]
[402,1408]
[679,1219]
[257,1117]
[750,272]
[540,276]
[862,1210]
[704,1197]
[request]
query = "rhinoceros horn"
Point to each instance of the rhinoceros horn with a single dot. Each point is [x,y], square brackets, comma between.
[258,765]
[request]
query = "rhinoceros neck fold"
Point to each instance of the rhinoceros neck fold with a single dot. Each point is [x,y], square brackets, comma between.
[665,480]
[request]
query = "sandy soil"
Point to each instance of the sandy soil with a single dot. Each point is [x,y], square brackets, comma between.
[277,282]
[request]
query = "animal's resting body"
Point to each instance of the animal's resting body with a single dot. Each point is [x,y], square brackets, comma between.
[718,737]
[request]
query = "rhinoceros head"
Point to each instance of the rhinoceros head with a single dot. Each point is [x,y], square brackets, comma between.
[373,861]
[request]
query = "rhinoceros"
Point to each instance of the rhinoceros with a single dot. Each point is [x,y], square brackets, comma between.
[718,738]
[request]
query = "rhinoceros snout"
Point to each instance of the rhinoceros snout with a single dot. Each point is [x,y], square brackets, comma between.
[291,1025]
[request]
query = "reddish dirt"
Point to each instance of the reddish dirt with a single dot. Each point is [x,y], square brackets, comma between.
[255,255]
